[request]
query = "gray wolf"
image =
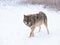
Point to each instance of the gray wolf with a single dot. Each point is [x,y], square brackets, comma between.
[33,20]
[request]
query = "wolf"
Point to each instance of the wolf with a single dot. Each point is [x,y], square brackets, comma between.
[33,20]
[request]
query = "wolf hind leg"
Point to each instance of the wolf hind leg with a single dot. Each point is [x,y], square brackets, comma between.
[39,28]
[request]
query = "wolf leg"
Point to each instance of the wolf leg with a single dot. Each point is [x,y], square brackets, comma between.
[32,31]
[39,28]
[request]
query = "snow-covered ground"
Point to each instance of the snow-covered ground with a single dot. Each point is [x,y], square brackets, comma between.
[14,32]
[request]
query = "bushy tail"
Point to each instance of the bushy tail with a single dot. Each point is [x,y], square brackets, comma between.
[45,23]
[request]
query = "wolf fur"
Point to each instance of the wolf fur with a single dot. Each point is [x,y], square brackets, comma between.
[33,20]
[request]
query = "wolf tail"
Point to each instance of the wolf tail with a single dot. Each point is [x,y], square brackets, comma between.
[45,23]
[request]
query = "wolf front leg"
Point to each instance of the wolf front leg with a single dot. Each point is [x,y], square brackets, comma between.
[32,31]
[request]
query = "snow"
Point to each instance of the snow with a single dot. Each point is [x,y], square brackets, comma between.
[14,32]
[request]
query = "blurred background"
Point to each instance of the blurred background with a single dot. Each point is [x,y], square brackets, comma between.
[50,3]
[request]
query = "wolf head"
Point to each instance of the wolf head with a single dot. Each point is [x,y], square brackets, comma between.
[27,20]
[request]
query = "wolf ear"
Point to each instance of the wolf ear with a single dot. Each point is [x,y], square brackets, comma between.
[24,15]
